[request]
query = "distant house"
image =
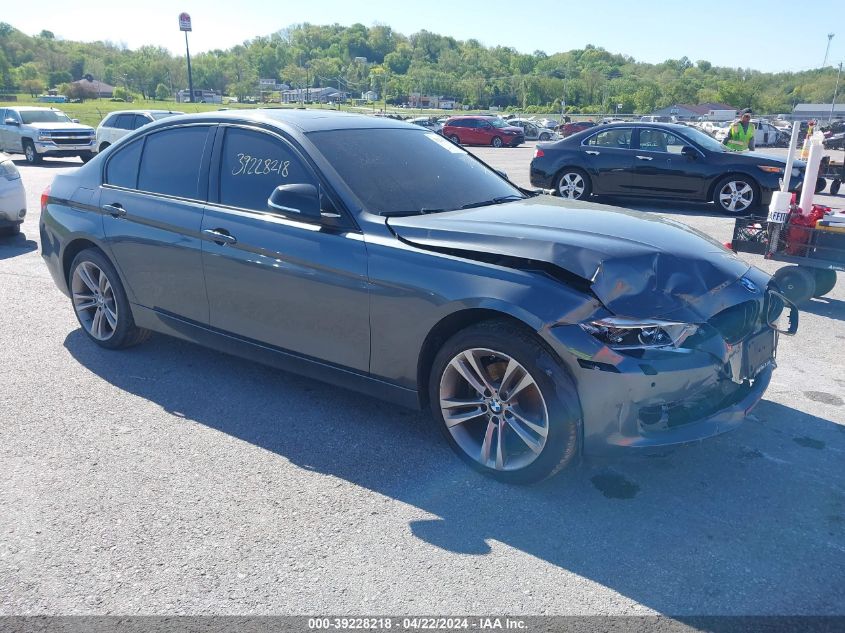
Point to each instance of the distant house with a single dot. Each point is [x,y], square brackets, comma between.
[95,87]
[200,96]
[821,111]
[417,100]
[370,95]
[702,111]
[318,95]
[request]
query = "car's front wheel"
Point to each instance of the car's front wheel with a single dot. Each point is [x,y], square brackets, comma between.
[735,195]
[32,156]
[545,137]
[573,184]
[86,156]
[505,405]
[100,302]
[454,138]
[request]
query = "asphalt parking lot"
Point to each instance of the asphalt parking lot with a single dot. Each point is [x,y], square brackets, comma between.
[170,479]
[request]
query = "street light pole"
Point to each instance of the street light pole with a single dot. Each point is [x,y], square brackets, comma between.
[835,92]
[827,50]
[185,25]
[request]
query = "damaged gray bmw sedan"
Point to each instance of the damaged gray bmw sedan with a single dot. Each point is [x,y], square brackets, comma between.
[378,256]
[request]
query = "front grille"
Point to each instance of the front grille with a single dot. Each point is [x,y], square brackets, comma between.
[737,322]
[700,406]
[80,140]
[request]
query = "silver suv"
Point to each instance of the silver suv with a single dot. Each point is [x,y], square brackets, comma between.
[38,132]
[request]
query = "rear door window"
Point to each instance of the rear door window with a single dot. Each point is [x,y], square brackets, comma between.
[618,138]
[171,162]
[253,164]
[125,121]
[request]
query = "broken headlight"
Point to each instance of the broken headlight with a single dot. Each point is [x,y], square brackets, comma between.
[622,333]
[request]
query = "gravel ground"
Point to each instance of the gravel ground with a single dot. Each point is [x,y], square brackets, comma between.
[170,479]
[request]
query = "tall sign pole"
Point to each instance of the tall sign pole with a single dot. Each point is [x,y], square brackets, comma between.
[185,25]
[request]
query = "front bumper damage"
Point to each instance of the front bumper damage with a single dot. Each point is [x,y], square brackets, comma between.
[651,398]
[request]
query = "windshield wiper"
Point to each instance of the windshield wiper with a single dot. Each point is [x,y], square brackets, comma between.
[423,211]
[499,200]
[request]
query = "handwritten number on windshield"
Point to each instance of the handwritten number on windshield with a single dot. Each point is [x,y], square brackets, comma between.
[252,166]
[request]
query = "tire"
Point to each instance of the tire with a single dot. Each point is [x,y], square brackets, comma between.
[86,156]
[115,327]
[735,195]
[573,184]
[797,283]
[32,157]
[834,187]
[825,281]
[545,137]
[104,146]
[496,141]
[539,425]
[454,138]
[10,231]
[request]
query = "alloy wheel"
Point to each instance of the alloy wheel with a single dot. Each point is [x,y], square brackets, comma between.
[736,196]
[571,186]
[94,300]
[494,409]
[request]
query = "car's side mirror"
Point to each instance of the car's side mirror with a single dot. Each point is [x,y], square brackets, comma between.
[74,120]
[299,201]
[11,121]
[689,151]
[304,202]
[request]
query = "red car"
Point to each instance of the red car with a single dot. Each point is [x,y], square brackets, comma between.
[574,127]
[482,130]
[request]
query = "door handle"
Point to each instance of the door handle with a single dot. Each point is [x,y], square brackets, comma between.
[592,152]
[114,210]
[220,237]
[645,158]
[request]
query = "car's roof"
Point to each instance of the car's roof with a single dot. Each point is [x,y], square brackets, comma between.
[474,116]
[147,111]
[32,108]
[304,120]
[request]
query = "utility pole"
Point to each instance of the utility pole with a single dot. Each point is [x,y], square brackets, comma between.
[835,91]
[827,50]
[185,25]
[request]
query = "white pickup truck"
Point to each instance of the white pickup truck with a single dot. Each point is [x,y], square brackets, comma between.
[39,132]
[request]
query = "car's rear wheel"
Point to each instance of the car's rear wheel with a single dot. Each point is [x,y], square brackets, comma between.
[573,184]
[100,302]
[825,281]
[505,405]
[8,231]
[496,142]
[735,195]
[797,283]
[32,156]
[454,138]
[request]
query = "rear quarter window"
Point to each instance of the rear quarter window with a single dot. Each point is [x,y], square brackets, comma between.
[122,168]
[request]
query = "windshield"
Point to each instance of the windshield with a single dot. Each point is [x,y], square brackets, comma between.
[163,115]
[706,141]
[498,123]
[44,116]
[406,171]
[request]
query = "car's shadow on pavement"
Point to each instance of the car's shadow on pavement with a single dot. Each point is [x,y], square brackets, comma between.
[747,523]
[826,307]
[14,245]
[48,163]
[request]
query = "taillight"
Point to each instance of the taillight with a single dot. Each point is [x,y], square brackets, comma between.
[44,197]
[538,153]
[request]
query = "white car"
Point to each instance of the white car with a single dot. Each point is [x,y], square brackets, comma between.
[533,130]
[765,134]
[12,197]
[118,124]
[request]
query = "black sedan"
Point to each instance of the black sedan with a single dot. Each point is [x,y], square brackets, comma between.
[379,256]
[659,160]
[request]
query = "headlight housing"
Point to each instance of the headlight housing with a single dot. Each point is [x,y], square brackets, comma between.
[625,333]
[44,136]
[771,169]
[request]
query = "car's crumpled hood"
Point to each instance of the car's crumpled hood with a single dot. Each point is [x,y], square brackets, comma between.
[638,265]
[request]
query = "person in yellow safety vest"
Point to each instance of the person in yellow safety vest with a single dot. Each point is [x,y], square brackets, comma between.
[740,136]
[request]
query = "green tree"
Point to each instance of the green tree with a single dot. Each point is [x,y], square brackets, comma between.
[163,93]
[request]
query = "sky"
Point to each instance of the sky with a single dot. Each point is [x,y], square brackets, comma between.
[774,35]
